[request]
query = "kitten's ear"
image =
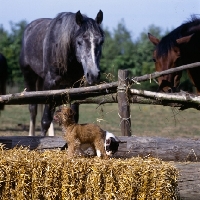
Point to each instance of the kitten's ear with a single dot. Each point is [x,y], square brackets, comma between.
[108,141]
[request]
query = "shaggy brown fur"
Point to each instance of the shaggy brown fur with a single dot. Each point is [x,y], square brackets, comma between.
[78,135]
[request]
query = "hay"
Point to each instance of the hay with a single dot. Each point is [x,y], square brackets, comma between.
[26,174]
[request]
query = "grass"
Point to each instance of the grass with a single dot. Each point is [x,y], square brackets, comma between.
[147,120]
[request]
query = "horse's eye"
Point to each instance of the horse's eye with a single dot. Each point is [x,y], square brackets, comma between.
[154,60]
[101,42]
[178,62]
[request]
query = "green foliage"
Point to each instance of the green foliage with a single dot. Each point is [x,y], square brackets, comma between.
[121,52]
[117,50]
[10,46]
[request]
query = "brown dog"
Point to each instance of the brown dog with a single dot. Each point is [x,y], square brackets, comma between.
[79,136]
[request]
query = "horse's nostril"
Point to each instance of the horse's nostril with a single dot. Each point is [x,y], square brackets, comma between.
[170,90]
[87,75]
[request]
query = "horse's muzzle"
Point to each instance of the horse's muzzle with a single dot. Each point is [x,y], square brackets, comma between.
[167,88]
[93,78]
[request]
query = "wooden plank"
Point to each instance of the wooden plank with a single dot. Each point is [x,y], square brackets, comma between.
[35,142]
[7,143]
[167,149]
[189,180]
[179,149]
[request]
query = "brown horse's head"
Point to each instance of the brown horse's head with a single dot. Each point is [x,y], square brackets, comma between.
[167,55]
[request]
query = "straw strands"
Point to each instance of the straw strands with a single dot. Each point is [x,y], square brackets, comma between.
[26,174]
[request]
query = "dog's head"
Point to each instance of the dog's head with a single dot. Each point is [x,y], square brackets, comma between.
[111,144]
[64,116]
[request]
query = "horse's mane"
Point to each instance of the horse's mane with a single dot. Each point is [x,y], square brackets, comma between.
[64,30]
[169,41]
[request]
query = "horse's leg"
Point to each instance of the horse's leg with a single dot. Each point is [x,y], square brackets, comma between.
[30,79]
[50,83]
[47,118]
[33,114]
[2,90]
[51,130]
[3,85]
[75,108]
[40,88]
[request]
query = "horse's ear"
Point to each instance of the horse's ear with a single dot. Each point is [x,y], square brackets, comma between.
[153,39]
[99,17]
[185,39]
[79,18]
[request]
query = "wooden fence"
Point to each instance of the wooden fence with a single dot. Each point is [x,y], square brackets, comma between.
[116,92]
[180,151]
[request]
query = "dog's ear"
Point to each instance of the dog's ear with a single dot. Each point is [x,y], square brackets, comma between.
[58,111]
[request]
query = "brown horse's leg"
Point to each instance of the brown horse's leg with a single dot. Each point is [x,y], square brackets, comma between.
[2,89]
[3,77]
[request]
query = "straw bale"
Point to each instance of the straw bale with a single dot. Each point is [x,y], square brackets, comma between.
[26,174]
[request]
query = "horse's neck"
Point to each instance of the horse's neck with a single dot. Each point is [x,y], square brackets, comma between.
[74,74]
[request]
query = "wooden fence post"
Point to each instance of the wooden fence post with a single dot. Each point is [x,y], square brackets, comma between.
[123,102]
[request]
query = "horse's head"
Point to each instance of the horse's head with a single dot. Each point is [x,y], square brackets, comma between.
[168,58]
[88,44]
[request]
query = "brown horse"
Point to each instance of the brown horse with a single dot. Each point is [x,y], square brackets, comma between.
[3,76]
[181,46]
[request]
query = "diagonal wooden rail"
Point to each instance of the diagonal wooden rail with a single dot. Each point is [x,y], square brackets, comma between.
[169,71]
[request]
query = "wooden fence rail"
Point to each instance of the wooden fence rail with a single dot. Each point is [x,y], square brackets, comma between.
[79,94]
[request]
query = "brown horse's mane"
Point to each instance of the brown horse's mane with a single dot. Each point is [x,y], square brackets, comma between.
[64,36]
[169,41]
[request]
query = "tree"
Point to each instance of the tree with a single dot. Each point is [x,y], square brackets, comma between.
[143,56]
[10,46]
[121,52]
[117,50]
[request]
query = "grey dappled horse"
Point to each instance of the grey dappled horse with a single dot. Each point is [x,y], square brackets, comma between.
[60,51]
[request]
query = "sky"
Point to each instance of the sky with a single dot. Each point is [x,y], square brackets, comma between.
[137,15]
